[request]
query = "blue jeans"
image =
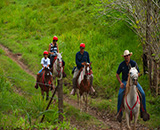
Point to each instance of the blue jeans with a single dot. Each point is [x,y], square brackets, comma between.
[121,93]
[41,71]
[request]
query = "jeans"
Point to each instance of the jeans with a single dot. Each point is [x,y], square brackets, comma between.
[121,93]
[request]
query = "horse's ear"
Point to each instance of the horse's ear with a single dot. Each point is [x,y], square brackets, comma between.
[136,66]
[61,53]
[129,66]
[90,63]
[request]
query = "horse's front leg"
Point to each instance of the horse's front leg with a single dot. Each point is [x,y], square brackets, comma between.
[47,95]
[80,104]
[127,120]
[86,102]
[135,119]
[42,92]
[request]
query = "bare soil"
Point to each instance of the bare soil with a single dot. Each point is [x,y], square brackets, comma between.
[104,117]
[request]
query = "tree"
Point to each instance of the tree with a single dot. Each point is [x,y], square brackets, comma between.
[143,17]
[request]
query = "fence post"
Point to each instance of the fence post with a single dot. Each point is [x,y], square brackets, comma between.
[60,99]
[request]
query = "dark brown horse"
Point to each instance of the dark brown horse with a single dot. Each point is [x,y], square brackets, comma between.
[83,84]
[45,82]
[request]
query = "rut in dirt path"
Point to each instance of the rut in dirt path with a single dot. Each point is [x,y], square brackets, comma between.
[104,117]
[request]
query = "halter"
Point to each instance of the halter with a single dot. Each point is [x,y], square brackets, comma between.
[137,101]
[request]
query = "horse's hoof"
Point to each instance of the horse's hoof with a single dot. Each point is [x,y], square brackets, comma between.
[36,86]
[119,117]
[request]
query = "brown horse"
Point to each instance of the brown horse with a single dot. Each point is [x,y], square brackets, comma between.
[83,84]
[45,82]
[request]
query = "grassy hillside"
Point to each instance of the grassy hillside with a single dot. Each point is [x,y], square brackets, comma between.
[27,27]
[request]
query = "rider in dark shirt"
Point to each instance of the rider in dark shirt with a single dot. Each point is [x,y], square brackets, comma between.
[82,57]
[124,69]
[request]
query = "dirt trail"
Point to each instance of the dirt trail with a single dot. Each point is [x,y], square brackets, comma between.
[107,119]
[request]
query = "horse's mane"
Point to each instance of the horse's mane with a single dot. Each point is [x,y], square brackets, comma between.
[127,86]
[79,73]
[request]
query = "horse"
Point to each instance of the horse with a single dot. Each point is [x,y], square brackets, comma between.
[131,98]
[45,82]
[83,84]
[57,67]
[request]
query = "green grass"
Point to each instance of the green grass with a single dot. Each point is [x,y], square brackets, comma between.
[23,109]
[27,27]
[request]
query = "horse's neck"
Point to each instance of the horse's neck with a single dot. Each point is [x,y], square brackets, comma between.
[81,76]
[132,95]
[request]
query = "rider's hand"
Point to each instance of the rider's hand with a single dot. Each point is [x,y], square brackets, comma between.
[122,85]
[83,63]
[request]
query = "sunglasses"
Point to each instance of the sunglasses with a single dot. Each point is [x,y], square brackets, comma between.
[126,55]
[55,40]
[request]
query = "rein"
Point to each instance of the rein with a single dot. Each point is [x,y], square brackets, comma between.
[137,101]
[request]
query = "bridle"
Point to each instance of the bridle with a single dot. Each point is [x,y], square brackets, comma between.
[58,67]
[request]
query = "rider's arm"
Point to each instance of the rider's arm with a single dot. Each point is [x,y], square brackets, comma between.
[117,75]
[77,61]
[121,84]
[50,49]
[88,60]
[42,66]
[57,48]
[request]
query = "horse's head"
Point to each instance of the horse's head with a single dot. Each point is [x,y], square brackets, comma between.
[46,75]
[58,63]
[133,73]
[87,68]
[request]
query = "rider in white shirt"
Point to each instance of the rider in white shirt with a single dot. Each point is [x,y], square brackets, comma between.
[45,62]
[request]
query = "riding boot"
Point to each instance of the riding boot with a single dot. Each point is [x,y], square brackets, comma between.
[119,117]
[51,79]
[36,85]
[74,86]
[143,113]
[145,116]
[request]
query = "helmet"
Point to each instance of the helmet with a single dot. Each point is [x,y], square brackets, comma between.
[82,45]
[45,53]
[55,38]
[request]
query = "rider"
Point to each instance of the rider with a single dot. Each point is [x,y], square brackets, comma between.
[45,62]
[123,67]
[53,50]
[81,58]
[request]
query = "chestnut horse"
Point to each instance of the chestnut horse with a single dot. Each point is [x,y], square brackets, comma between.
[83,85]
[131,98]
[45,82]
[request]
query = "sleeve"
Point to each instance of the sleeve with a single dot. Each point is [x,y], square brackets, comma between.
[49,61]
[42,61]
[88,60]
[77,62]
[119,69]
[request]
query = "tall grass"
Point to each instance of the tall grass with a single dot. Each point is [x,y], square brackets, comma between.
[23,108]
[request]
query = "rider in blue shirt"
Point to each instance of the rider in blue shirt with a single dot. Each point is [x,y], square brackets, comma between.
[82,57]
[124,69]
